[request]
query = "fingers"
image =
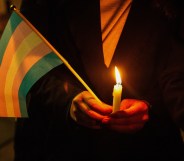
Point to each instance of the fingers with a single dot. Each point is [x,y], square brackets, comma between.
[127,120]
[132,117]
[86,121]
[87,103]
[137,107]
[86,111]
[101,108]
[83,107]
[131,108]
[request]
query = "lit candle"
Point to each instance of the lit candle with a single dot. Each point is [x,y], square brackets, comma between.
[117,91]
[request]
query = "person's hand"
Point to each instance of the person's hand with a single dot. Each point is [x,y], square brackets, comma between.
[87,111]
[131,117]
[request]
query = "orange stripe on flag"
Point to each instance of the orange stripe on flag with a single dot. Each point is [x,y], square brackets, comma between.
[18,36]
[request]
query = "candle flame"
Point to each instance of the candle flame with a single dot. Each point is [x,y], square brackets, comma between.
[118,77]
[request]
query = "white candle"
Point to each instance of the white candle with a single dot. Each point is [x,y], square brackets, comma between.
[117,91]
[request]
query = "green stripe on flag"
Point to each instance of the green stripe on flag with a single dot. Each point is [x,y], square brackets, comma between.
[12,24]
[39,69]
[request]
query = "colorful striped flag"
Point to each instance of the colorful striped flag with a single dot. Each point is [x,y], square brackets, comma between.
[24,58]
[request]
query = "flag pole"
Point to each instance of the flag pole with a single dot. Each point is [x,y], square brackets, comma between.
[12,7]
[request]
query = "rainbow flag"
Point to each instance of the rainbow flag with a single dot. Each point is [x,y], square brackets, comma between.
[24,58]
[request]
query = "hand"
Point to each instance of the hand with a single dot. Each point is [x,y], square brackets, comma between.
[131,117]
[86,111]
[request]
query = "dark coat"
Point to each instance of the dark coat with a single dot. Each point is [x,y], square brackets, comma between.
[150,56]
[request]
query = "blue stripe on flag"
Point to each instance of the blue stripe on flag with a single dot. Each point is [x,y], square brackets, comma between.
[39,69]
[12,24]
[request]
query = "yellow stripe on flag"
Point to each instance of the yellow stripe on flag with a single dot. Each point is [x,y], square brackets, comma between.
[32,57]
[18,57]
[17,37]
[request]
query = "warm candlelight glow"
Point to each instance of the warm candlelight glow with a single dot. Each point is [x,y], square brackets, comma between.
[117,91]
[118,77]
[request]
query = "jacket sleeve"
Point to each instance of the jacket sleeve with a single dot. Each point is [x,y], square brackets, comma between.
[57,88]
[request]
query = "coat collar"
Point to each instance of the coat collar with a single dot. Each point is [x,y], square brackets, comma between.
[84,25]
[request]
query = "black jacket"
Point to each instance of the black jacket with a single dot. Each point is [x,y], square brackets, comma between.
[149,55]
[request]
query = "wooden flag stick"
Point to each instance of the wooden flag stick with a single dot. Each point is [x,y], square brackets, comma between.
[12,7]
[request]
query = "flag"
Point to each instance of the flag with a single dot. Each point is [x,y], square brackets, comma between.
[24,59]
